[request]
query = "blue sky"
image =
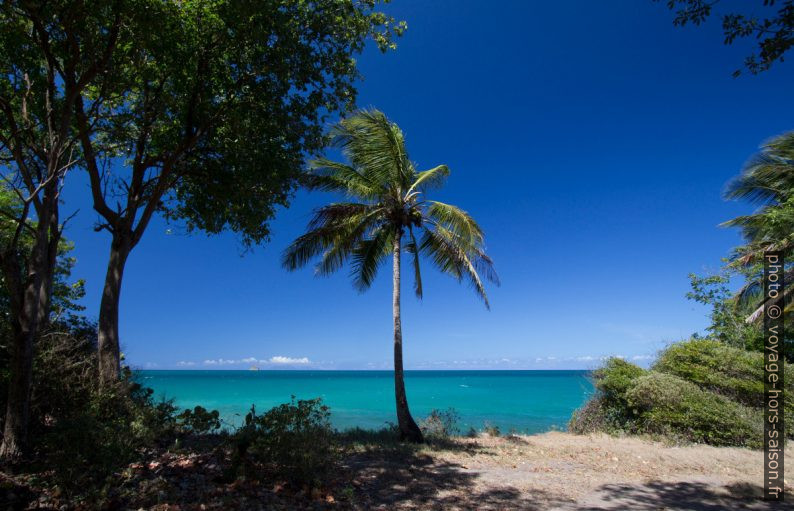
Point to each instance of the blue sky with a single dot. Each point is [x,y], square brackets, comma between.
[591,140]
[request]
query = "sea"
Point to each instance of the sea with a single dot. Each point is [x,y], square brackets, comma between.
[514,401]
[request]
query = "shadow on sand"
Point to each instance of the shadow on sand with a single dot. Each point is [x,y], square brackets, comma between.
[682,495]
[413,480]
[410,479]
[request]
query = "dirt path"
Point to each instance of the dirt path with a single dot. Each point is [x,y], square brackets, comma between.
[563,472]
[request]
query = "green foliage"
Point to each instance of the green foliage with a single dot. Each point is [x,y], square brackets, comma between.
[596,415]
[608,410]
[766,181]
[210,106]
[293,441]
[728,313]
[772,30]
[441,424]
[671,406]
[86,446]
[699,390]
[616,377]
[199,420]
[83,434]
[733,373]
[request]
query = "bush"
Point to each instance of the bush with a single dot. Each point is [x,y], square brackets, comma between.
[596,415]
[699,390]
[671,406]
[199,420]
[79,434]
[608,410]
[85,447]
[293,440]
[731,372]
[441,424]
[728,371]
[615,378]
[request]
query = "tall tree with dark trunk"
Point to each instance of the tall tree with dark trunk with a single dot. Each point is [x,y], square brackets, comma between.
[41,80]
[392,206]
[212,109]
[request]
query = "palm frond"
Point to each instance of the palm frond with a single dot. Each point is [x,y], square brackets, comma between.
[377,146]
[340,213]
[335,224]
[768,177]
[430,178]
[367,256]
[444,249]
[330,176]
[342,247]
[456,220]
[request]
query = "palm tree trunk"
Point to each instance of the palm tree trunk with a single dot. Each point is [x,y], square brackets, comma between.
[408,428]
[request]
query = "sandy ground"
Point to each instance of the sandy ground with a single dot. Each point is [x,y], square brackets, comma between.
[560,471]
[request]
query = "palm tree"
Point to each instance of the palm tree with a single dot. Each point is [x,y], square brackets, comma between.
[388,214]
[768,181]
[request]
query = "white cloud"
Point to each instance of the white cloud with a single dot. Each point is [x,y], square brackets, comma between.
[278,359]
[642,357]
[183,363]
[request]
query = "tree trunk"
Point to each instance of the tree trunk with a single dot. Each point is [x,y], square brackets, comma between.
[109,351]
[26,302]
[408,428]
[15,430]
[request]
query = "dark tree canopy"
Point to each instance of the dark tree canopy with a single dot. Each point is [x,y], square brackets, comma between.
[214,105]
[771,23]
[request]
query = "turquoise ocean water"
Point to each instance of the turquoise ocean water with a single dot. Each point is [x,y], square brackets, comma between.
[524,401]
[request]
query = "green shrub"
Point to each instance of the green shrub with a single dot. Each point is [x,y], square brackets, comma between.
[293,441]
[199,420]
[599,415]
[608,410]
[728,371]
[671,406]
[86,446]
[615,378]
[80,434]
[441,424]
[699,390]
